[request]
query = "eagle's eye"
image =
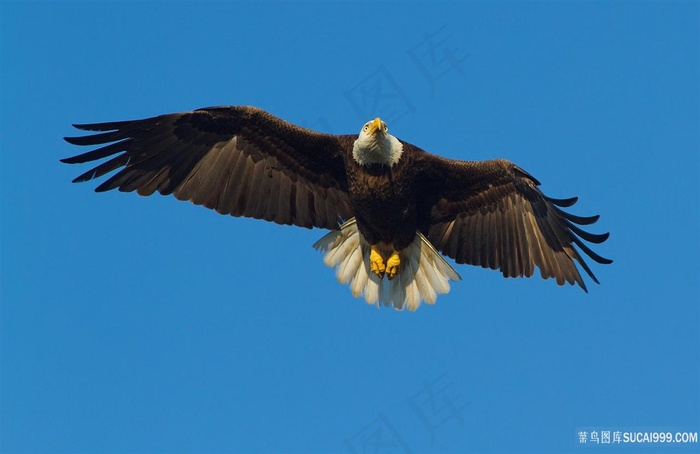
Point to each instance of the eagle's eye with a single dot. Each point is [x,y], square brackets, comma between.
[365,128]
[386,128]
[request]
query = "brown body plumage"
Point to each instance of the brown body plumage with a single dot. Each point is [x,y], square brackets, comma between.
[243,161]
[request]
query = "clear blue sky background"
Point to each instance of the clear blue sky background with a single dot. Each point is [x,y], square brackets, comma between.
[136,324]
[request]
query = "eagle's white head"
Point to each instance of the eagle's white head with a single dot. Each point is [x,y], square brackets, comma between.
[376,146]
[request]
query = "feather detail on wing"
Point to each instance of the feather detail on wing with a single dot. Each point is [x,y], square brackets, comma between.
[492,214]
[240,161]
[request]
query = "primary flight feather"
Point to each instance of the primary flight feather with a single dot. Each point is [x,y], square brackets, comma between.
[401,205]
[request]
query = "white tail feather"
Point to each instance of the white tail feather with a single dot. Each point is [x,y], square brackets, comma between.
[423,274]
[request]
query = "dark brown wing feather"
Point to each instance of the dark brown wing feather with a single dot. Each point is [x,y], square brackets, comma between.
[236,160]
[493,215]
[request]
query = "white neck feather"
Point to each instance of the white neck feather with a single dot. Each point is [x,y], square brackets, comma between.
[377,149]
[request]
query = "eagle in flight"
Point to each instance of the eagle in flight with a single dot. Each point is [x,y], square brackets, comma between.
[391,207]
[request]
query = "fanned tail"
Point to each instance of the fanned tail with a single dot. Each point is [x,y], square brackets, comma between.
[423,275]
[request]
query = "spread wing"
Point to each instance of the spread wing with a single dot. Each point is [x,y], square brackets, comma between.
[493,214]
[240,161]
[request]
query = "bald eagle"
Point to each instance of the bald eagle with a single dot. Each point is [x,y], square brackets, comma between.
[391,207]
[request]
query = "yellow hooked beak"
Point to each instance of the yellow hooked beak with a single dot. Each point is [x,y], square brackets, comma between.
[375,126]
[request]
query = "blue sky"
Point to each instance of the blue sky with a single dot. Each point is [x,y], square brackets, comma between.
[133,324]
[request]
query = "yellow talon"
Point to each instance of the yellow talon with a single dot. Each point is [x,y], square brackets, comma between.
[376,262]
[392,265]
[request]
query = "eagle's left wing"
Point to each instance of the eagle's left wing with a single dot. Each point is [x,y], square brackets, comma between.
[492,214]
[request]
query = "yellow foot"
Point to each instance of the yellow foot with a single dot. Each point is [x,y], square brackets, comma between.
[392,265]
[376,262]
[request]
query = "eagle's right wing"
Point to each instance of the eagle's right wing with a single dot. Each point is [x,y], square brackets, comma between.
[240,161]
